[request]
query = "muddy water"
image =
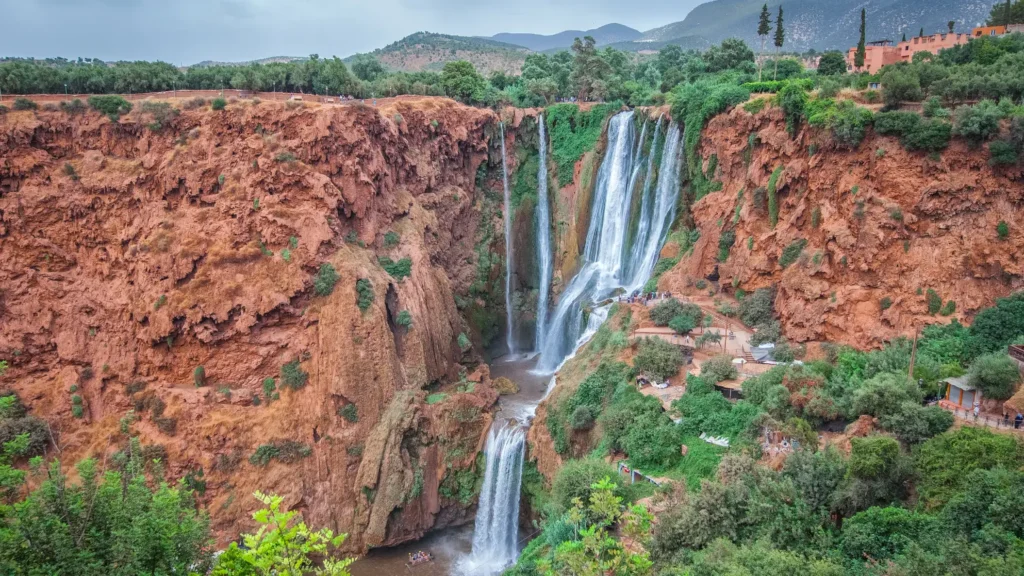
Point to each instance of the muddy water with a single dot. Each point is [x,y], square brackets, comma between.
[452,546]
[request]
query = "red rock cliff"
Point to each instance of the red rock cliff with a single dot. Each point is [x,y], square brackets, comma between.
[130,256]
[878,221]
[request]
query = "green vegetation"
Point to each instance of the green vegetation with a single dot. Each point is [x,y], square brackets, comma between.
[110,105]
[349,412]
[199,376]
[1003,230]
[397,270]
[218,104]
[326,278]
[292,375]
[464,343]
[391,239]
[436,398]
[658,358]
[25,104]
[791,253]
[283,545]
[573,132]
[287,451]
[286,156]
[364,294]
[885,303]
[934,301]
[725,242]
[404,319]
[773,202]
[995,374]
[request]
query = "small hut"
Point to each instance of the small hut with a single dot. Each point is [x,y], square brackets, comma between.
[960,393]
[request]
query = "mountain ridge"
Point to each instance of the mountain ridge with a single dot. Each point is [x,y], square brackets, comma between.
[607,34]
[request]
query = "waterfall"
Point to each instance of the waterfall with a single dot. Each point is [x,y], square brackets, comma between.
[607,268]
[543,238]
[507,212]
[495,534]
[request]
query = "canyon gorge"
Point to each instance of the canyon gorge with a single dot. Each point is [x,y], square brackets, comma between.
[306,299]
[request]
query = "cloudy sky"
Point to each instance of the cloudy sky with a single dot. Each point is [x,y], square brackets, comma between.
[189,31]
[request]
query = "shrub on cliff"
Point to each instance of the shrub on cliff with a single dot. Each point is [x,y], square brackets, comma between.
[111,105]
[793,100]
[1003,230]
[218,104]
[73,108]
[1002,153]
[25,104]
[292,375]
[364,294]
[404,319]
[397,270]
[847,122]
[286,451]
[658,358]
[977,123]
[326,278]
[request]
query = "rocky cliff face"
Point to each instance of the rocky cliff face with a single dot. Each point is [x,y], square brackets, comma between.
[878,222]
[171,272]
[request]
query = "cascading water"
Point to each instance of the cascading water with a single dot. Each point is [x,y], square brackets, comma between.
[495,534]
[543,239]
[507,212]
[607,267]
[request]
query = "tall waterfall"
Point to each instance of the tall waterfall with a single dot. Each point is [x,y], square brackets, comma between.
[507,212]
[543,239]
[607,267]
[495,534]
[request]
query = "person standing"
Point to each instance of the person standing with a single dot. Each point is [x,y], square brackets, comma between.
[977,409]
[1017,420]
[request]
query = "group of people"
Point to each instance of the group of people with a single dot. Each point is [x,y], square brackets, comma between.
[643,297]
[419,557]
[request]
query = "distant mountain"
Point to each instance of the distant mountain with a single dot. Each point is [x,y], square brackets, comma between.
[607,34]
[823,24]
[428,51]
[270,60]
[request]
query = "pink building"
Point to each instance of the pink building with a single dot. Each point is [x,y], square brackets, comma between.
[932,44]
[876,55]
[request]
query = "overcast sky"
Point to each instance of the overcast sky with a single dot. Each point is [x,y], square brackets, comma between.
[188,31]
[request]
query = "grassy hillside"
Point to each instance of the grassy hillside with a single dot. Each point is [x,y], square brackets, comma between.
[429,51]
[824,24]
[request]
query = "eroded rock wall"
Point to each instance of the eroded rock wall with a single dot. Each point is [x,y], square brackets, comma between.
[131,256]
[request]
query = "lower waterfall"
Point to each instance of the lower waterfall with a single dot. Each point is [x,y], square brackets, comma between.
[496,532]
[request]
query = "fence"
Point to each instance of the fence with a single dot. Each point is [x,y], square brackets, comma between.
[986,420]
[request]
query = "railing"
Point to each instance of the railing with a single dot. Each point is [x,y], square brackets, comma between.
[987,420]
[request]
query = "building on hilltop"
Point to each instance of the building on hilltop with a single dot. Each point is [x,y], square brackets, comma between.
[876,54]
[883,52]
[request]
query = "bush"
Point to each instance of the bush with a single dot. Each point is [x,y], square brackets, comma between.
[464,343]
[658,358]
[977,123]
[111,105]
[913,423]
[933,108]
[883,394]
[847,122]
[757,308]
[364,293]
[194,103]
[995,374]
[391,239]
[404,319]
[25,104]
[73,108]
[161,112]
[725,242]
[792,252]
[948,309]
[582,418]
[885,303]
[350,412]
[663,313]
[397,270]
[575,480]
[1002,153]
[928,136]
[285,156]
[286,451]
[1003,230]
[218,104]
[293,376]
[899,84]
[326,278]
[719,368]
[793,101]
[773,203]
[896,123]
[199,376]
[934,301]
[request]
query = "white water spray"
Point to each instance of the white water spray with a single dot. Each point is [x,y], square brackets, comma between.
[543,239]
[607,268]
[496,532]
[507,212]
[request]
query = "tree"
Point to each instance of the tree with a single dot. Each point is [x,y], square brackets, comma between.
[858,57]
[462,82]
[780,39]
[832,63]
[951,24]
[994,374]
[112,524]
[731,53]
[283,546]
[589,69]
[764,27]
[658,358]
[718,369]
[900,84]
[367,68]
